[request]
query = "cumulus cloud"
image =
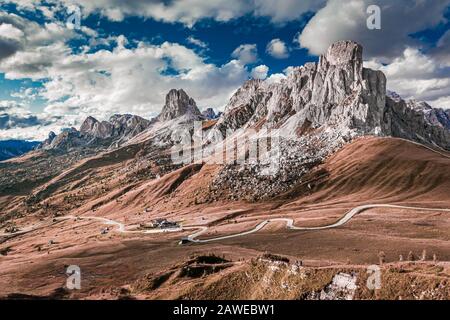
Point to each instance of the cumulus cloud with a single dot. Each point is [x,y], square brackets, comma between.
[132,78]
[343,20]
[22,39]
[260,72]
[277,49]
[26,94]
[8,47]
[17,122]
[8,31]
[416,75]
[188,12]
[276,78]
[288,70]
[246,53]
[136,79]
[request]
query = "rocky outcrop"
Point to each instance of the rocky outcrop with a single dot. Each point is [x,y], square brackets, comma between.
[94,128]
[210,114]
[66,140]
[417,121]
[119,126]
[335,92]
[178,104]
[242,106]
[46,143]
[314,111]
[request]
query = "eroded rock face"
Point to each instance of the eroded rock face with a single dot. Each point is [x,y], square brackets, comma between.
[119,125]
[317,109]
[46,143]
[127,126]
[68,139]
[178,104]
[417,121]
[122,127]
[94,128]
[335,92]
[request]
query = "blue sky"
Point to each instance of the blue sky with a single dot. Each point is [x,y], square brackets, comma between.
[128,54]
[221,38]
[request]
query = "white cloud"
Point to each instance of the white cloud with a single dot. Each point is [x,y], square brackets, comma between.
[288,70]
[10,106]
[10,32]
[277,49]
[260,72]
[347,20]
[19,35]
[17,122]
[197,42]
[416,75]
[187,12]
[121,41]
[26,94]
[246,53]
[135,80]
[276,78]
[129,78]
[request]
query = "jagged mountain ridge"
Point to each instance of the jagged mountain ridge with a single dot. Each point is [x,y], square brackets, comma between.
[95,133]
[418,121]
[337,93]
[121,128]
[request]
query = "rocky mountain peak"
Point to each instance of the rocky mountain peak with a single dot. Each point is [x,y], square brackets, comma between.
[51,135]
[344,52]
[88,125]
[209,113]
[94,133]
[178,104]
[337,92]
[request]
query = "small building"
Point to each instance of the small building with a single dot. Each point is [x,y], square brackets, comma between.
[164,224]
[184,240]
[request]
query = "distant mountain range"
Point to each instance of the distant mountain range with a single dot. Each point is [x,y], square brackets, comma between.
[14,148]
[336,98]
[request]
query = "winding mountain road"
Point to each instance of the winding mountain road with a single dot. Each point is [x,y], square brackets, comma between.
[203,229]
[120,227]
[290,222]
